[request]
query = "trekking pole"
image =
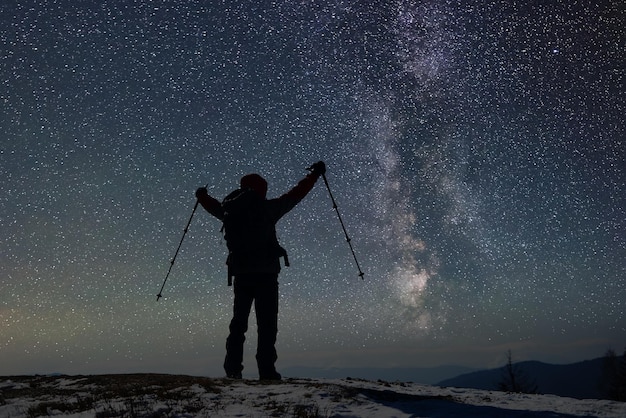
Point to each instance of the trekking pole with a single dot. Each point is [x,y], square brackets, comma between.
[348,240]
[178,249]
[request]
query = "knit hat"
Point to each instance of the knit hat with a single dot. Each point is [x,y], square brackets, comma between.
[254,182]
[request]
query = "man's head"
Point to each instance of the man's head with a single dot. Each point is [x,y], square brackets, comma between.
[254,182]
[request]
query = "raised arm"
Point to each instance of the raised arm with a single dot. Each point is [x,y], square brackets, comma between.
[290,199]
[210,204]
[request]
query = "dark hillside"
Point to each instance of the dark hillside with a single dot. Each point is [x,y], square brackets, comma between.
[577,380]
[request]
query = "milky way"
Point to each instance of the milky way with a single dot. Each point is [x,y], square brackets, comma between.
[475,150]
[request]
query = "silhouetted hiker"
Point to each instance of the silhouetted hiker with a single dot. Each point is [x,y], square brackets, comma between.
[254,262]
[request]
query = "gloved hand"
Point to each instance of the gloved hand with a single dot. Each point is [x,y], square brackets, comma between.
[202,191]
[319,168]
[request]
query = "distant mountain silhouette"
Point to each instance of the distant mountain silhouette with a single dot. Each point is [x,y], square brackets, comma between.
[425,375]
[577,380]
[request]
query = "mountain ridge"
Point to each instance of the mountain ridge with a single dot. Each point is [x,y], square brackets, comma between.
[581,380]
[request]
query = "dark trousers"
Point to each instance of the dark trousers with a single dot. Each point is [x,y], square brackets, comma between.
[262,289]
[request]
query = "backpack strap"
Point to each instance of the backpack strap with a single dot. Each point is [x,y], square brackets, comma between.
[283,254]
[230,276]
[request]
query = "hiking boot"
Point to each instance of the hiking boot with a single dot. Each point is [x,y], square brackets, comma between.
[270,376]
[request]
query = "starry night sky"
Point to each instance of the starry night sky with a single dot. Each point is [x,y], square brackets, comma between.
[475,149]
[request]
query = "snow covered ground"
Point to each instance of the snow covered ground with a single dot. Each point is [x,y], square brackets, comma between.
[153,395]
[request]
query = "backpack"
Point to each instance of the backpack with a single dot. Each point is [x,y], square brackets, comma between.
[250,233]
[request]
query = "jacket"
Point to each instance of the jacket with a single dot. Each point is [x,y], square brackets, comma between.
[261,252]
